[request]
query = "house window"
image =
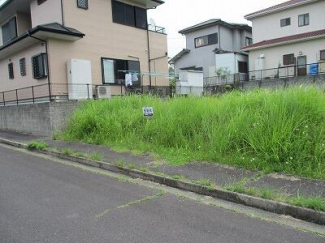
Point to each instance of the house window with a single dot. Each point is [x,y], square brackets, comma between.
[141,18]
[39,2]
[242,67]
[22,65]
[285,22]
[248,41]
[11,70]
[82,4]
[206,40]
[322,55]
[114,71]
[9,30]
[289,59]
[129,15]
[39,64]
[303,20]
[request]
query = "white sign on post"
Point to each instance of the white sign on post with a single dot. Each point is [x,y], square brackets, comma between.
[147,111]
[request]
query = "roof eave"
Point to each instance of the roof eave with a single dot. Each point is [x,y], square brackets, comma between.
[37,30]
[216,23]
[5,4]
[179,56]
[282,43]
[255,15]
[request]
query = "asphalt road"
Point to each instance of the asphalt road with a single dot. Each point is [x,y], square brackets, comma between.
[42,200]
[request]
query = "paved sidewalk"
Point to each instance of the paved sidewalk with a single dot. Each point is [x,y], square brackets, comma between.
[219,174]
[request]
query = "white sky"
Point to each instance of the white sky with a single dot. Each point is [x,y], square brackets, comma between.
[175,15]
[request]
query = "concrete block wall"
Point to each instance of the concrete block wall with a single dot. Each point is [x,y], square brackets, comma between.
[40,119]
[317,81]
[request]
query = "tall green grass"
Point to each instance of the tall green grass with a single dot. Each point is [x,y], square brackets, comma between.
[273,131]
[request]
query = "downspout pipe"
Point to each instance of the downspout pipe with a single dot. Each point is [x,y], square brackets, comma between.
[62,12]
[148,47]
[149,56]
[47,61]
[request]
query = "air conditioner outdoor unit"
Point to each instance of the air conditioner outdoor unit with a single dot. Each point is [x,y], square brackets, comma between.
[103,92]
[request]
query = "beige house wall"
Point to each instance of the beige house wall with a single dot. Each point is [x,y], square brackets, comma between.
[273,57]
[105,39]
[21,81]
[24,23]
[48,12]
[268,27]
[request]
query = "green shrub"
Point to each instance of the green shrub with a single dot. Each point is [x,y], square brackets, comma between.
[273,131]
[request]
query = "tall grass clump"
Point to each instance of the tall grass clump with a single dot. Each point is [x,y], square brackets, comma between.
[273,131]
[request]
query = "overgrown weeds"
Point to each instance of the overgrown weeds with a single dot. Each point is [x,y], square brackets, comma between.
[272,131]
[316,203]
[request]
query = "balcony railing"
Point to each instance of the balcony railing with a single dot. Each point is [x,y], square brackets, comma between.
[157,29]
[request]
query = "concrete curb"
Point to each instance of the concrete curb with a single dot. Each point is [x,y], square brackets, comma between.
[267,205]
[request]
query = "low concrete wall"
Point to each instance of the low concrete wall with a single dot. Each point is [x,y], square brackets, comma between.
[318,81]
[39,119]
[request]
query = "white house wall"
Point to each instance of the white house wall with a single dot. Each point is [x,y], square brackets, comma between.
[268,27]
[230,61]
[274,56]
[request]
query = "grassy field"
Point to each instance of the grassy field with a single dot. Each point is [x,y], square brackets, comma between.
[273,131]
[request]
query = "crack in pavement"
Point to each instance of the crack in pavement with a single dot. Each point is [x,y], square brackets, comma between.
[145,199]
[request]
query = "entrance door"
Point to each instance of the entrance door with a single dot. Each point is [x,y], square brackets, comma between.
[302,66]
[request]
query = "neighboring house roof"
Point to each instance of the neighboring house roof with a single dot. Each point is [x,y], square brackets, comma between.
[179,55]
[279,7]
[286,40]
[213,22]
[42,31]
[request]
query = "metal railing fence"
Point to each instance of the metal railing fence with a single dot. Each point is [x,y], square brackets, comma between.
[283,72]
[63,92]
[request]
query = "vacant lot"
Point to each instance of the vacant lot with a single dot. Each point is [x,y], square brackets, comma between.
[282,131]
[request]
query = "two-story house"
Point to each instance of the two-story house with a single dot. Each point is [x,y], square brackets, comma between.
[287,37]
[39,37]
[212,45]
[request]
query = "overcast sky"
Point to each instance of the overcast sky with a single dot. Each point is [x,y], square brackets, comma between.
[175,15]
